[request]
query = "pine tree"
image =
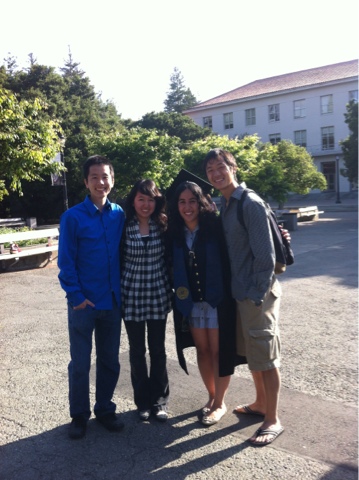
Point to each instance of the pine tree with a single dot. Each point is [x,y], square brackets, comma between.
[179,98]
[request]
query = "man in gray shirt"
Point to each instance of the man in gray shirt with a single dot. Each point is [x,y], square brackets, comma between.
[255,288]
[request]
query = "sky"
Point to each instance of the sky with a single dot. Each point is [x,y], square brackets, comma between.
[129,48]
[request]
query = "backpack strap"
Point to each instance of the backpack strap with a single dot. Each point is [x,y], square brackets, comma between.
[240,203]
[283,251]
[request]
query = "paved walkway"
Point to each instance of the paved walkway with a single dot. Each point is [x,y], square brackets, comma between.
[327,201]
[318,404]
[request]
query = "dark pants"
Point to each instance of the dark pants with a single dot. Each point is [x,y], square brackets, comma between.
[107,327]
[151,390]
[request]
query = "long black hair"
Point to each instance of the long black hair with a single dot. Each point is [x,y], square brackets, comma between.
[207,215]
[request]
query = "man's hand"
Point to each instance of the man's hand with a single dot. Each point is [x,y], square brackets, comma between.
[84,305]
[285,233]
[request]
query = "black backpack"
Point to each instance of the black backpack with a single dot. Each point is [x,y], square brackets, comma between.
[283,251]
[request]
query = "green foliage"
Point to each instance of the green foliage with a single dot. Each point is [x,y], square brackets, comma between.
[271,170]
[179,98]
[283,168]
[72,100]
[244,151]
[139,153]
[28,142]
[157,146]
[175,125]
[350,144]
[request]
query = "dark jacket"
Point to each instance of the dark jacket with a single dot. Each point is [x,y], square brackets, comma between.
[211,254]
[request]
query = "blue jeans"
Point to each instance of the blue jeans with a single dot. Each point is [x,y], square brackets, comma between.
[151,389]
[107,327]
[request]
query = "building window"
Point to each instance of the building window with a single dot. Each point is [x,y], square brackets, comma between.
[327,138]
[274,138]
[353,95]
[228,120]
[251,116]
[300,138]
[328,170]
[326,104]
[207,122]
[299,108]
[273,113]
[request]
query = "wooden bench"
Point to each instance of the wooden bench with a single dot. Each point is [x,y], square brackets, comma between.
[13,237]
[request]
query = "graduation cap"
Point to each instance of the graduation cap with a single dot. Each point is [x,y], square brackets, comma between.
[186,176]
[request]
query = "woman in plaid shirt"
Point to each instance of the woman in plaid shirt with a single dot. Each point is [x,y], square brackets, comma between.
[146,297]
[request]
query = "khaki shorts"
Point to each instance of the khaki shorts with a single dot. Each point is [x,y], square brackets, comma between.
[258,332]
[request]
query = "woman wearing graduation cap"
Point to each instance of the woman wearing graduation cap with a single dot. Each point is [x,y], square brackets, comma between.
[204,312]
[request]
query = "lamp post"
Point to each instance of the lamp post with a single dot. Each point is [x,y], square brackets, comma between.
[338,179]
[64,182]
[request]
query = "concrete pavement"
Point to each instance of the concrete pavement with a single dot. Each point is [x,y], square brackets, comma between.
[327,201]
[318,404]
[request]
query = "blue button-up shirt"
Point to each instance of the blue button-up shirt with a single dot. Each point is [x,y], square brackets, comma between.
[89,253]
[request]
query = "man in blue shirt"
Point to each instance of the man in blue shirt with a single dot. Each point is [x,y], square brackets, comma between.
[89,263]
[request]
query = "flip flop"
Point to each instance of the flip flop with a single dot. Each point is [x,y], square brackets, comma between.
[247,410]
[267,431]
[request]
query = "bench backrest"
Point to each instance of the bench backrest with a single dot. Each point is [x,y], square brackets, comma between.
[31,234]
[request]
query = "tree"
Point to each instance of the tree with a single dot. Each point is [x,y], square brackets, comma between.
[350,144]
[282,169]
[245,152]
[72,100]
[272,170]
[27,143]
[175,125]
[139,153]
[179,98]
[11,63]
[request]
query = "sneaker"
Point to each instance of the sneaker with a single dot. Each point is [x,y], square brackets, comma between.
[111,422]
[161,415]
[78,428]
[144,414]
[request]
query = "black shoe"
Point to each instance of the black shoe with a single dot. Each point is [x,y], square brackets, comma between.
[78,428]
[111,422]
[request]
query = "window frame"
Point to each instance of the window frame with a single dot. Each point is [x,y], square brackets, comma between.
[327,138]
[353,95]
[299,108]
[302,142]
[326,108]
[210,124]
[276,137]
[273,113]
[250,116]
[228,120]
